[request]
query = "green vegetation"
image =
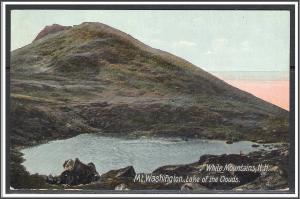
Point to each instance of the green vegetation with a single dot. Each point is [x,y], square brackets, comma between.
[94,79]
[20,178]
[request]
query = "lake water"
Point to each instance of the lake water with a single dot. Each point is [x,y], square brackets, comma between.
[108,153]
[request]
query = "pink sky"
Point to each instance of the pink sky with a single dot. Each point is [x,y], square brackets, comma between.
[275,92]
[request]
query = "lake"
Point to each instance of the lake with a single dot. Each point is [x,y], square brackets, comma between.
[107,153]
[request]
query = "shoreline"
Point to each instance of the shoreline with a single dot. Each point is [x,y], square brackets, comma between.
[99,147]
[19,148]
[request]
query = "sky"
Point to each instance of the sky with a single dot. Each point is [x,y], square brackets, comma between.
[212,40]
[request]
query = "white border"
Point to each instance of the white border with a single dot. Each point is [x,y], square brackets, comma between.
[152,3]
[3,104]
[296,98]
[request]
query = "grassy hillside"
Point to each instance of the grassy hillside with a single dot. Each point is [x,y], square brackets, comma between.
[94,78]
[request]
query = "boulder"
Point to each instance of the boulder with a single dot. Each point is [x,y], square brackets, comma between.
[76,172]
[68,165]
[121,187]
[236,159]
[192,187]
[53,179]
[229,142]
[119,179]
[127,172]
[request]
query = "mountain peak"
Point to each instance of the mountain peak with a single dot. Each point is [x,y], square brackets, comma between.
[50,30]
[110,81]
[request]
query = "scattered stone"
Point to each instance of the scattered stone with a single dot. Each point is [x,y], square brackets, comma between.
[274,178]
[53,180]
[229,142]
[121,187]
[127,172]
[192,187]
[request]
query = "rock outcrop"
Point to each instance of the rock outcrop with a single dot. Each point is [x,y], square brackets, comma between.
[237,171]
[50,30]
[237,174]
[75,173]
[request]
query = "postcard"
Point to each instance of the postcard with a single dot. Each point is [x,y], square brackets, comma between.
[140,99]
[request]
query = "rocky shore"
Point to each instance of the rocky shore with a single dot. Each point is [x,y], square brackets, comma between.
[260,170]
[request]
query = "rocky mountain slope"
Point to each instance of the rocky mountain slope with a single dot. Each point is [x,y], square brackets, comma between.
[92,78]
